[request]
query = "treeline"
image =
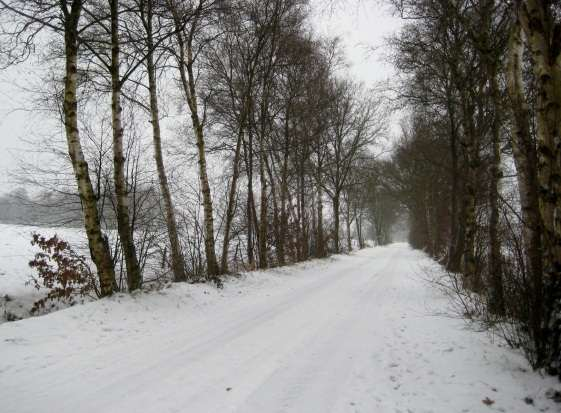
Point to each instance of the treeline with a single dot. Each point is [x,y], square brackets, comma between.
[478,165]
[18,207]
[259,166]
[63,209]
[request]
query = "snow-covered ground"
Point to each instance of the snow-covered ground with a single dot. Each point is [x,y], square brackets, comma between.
[16,295]
[355,333]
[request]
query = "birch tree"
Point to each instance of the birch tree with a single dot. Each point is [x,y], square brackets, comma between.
[156,33]
[190,20]
[540,187]
[126,235]
[25,20]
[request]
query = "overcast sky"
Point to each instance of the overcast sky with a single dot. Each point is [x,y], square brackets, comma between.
[361,26]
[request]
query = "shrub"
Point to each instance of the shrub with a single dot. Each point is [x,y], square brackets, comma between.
[9,316]
[62,270]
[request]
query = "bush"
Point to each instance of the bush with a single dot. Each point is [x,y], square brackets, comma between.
[62,270]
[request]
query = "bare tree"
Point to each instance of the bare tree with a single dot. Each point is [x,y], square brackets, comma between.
[25,20]
[190,19]
[355,124]
[155,37]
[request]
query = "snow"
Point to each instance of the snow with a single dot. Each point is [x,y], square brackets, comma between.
[358,333]
[15,253]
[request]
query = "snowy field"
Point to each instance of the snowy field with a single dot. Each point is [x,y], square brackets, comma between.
[17,298]
[349,334]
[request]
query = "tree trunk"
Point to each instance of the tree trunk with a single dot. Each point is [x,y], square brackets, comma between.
[263,206]
[490,59]
[281,253]
[336,217]
[544,43]
[97,242]
[348,225]
[186,61]
[212,264]
[231,202]
[299,218]
[455,262]
[496,290]
[177,259]
[526,162]
[274,196]
[263,218]
[250,203]
[134,277]
[456,245]
[358,225]
[284,193]
[472,154]
[320,235]
[304,246]
[469,264]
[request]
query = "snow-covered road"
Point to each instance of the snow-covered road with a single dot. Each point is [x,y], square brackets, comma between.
[352,334]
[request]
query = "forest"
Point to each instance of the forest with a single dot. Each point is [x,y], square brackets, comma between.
[223,136]
[268,131]
[478,163]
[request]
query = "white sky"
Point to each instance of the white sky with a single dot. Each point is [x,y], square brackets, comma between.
[362,26]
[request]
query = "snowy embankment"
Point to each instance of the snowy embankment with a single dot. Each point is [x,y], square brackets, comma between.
[16,294]
[350,334]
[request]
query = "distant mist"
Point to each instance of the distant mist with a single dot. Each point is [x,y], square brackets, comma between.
[46,208]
